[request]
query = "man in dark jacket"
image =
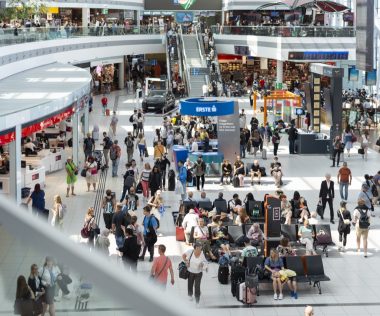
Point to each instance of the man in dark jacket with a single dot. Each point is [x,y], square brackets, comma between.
[326,195]
[129,180]
[199,170]
[131,250]
[163,164]
[292,132]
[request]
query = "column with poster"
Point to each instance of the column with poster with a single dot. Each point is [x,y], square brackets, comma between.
[229,134]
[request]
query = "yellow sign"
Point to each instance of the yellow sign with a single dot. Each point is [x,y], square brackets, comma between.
[53,10]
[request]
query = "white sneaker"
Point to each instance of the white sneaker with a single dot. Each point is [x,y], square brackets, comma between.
[191,298]
[275,296]
[280,296]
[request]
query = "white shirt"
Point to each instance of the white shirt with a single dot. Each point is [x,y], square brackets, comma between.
[194,146]
[195,263]
[201,232]
[189,221]
[30,146]
[62,126]
[357,216]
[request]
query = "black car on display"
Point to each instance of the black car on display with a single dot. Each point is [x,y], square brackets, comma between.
[158,101]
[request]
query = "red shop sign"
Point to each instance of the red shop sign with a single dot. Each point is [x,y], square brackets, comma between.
[28,130]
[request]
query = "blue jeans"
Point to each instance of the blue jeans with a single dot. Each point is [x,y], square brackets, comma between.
[242,151]
[291,146]
[115,166]
[343,186]
[184,195]
[142,150]
[119,241]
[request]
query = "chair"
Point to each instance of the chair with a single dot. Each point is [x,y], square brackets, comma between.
[295,263]
[220,206]
[253,262]
[235,232]
[189,205]
[255,205]
[205,205]
[315,271]
[290,232]
[326,240]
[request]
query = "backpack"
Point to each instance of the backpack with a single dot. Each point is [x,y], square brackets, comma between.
[128,142]
[363,219]
[113,153]
[131,119]
[251,252]
[129,180]
[150,223]
[108,143]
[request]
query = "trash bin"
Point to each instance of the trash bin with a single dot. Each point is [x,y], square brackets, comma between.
[179,153]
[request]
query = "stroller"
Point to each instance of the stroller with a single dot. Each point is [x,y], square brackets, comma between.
[83,295]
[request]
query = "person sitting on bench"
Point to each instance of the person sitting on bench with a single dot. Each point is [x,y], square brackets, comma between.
[306,235]
[255,171]
[276,171]
[226,172]
[286,210]
[239,170]
[255,235]
[249,250]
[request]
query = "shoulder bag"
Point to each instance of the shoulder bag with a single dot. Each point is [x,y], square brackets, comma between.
[182,268]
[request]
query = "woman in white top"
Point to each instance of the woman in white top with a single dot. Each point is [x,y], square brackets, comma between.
[364,144]
[145,173]
[141,145]
[58,212]
[190,220]
[91,167]
[196,262]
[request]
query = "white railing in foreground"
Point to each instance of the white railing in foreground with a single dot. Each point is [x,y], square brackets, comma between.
[129,289]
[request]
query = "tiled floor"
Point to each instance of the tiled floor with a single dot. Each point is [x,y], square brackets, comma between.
[354,285]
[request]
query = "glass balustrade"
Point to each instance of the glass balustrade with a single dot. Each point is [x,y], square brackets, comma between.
[286,31]
[12,36]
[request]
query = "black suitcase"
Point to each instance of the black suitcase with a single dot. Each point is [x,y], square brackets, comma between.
[236,182]
[262,171]
[171,180]
[237,276]
[223,274]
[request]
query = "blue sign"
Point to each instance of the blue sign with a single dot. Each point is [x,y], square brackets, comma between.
[206,107]
[318,55]
[184,17]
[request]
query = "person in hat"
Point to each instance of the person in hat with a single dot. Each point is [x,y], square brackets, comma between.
[71,175]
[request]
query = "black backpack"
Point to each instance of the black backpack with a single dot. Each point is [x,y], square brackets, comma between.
[131,119]
[363,219]
[108,143]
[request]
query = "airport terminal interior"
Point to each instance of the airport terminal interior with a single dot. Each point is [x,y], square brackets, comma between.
[189,157]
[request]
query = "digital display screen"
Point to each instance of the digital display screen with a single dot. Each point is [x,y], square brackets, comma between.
[318,55]
[370,78]
[180,5]
[241,50]
[353,74]
[300,111]
[35,176]
[184,17]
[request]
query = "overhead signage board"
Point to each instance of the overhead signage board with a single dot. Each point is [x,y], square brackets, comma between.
[322,55]
[181,5]
[365,25]
[206,107]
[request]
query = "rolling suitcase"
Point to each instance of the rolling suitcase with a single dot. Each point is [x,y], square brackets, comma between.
[171,180]
[237,276]
[248,294]
[180,234]
[223,274]
[264,154]
[236,182]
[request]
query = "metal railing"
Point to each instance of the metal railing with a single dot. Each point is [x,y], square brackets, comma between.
[12,36]
[286,31]
[186,67]
[168,64]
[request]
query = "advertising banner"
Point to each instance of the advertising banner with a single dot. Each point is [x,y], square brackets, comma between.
[180,5]
[206,107]
[365,24]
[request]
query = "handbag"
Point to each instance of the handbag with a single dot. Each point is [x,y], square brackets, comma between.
[83,173]
[139,188]
[345,221]
[320,209]
[146,153]
[361,151]
[182,268]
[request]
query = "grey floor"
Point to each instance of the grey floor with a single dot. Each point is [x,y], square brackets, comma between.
[354,279]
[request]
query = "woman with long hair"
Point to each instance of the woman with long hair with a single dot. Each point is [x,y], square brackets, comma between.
[144,178]
[34,282]
[38,200]
[141,145]
[58,211]
[24,304]
[49,274]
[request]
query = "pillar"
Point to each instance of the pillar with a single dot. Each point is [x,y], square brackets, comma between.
[86,120]
[137,14]
[265,111]
[280,71]
[76,138]
[121,75]
[15,182]
[85,17]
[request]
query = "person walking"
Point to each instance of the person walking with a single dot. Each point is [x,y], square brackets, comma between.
[88,146]
[115,154]
[196,262]
[160,267]
[163,164]
[344,178]
[326,195]
[102,243]
[141,145]
[364,143]
[108,206]
[276,138]
[292,133]
[130,250]
[48,275]
[107,144]
[129,181]
[38,200]
[104,102]
[348,139]
[182,176]
[362,223]
[140,122]
[199,170]
[344,225]
[366,195]
[24,303]
[337,149]
[130,145]
[58,212]
[113,124]
[91,167]
[118,225]
[144,179]
[155,180]
[71,175]
[151,225]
